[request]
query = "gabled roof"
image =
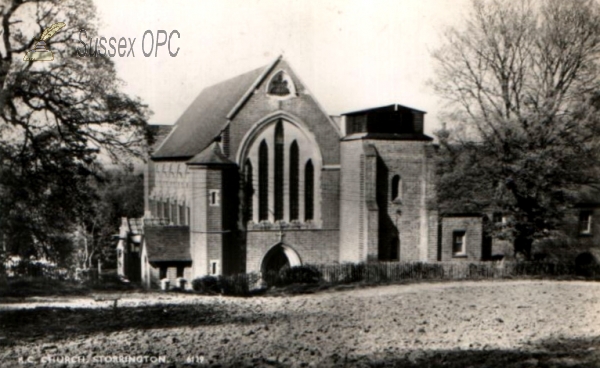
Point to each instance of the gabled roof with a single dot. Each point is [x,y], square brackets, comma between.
[207,116]
[168,243]
[211,155]
[159,132]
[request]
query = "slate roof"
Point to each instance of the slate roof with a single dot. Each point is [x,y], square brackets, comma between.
[168,243]
[160,132]
[211,155]
[206,117]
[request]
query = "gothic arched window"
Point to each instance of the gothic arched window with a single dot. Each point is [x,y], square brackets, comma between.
[279,171]
[248,189]
[309,191]
[294,178]
[263,181]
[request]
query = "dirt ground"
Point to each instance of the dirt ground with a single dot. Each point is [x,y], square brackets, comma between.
[459,324]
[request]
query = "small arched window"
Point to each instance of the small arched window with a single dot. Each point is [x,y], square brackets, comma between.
[309,191]
[396,187]
[263,181]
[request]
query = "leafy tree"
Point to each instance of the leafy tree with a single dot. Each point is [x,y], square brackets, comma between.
[57,118]
[120,194]
[522,83]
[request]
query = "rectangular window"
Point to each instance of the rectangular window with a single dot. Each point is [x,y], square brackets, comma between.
[585,222]
[163,273]
[214,267]
[458,243]
[214,197]
[179,271]
[499,219]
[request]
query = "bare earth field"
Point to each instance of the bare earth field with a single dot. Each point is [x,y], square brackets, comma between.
[459,324]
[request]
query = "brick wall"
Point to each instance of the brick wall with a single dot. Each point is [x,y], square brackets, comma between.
[473,228]
[407,216]
[199,221]
[352,204]
[434,244]
[330,198]
[260,105]
[318,245]
[214,227]
[372,209]
[313,246]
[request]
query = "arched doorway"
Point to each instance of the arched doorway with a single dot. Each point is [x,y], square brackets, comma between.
[279,257]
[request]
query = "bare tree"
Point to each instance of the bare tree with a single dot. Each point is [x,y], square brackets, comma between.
[522,83]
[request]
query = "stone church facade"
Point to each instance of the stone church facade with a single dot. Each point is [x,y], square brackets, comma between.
[256,176]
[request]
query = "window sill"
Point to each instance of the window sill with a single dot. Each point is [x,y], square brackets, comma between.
[585,235]
[459,255]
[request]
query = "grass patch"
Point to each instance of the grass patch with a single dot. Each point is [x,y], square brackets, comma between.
[37,286]
[23,287]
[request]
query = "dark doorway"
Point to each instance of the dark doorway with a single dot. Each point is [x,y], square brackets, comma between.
[278,258]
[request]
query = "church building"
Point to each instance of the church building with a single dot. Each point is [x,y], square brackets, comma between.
[256,176]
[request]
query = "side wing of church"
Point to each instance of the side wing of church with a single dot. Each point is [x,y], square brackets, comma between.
[255,176]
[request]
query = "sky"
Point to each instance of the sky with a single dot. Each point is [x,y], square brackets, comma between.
[350,54]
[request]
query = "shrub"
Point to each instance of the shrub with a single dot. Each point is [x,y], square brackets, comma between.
[207,285]
[240,284]
[298,275]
